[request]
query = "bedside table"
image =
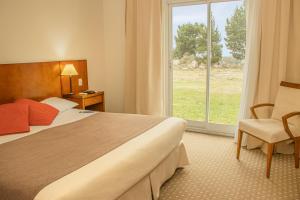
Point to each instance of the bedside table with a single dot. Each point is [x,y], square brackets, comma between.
[89,101]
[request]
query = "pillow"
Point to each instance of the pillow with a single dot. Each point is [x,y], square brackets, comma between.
[14,118]
[40,114]
[60,104]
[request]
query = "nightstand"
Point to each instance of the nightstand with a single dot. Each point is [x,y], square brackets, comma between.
[89,101]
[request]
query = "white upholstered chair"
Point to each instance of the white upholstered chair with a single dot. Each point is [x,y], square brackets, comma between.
[284,123]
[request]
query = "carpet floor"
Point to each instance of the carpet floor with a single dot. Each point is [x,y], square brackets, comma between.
[214,173]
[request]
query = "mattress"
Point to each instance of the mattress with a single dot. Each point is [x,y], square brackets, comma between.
[114,173]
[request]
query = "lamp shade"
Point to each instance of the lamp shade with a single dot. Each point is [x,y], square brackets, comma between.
[69,70]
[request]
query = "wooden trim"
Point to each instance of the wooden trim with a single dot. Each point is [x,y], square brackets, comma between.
[264,140]
[269,159]
[89,101]
[258,106]
[85,96]
[286,125]
[256,137]
[289,84]
[297,153]
[239,144]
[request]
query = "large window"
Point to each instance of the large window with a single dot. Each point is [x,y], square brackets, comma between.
[207,53]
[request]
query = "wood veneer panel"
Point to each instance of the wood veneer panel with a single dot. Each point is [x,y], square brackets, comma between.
[29,80]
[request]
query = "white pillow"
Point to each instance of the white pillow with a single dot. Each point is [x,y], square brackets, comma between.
[60,104]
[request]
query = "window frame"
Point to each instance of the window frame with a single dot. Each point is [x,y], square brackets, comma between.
[197,126]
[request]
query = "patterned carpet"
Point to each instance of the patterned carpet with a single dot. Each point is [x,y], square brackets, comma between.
[214,173]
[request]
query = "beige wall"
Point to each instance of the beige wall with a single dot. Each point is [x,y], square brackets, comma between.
[47,30]
[114,40]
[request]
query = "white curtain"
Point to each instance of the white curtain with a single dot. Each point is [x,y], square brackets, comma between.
[273,42]
[143,71]
[252,61]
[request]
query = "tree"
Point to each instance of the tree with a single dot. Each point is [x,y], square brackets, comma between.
[216,46]
[236,33]
[191,39]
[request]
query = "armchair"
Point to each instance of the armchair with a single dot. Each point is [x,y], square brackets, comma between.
[284,123]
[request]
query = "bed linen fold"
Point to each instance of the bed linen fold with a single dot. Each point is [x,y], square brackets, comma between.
[29,164]
[111,175]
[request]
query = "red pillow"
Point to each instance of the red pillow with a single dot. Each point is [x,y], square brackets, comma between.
[40,114]
[14,118]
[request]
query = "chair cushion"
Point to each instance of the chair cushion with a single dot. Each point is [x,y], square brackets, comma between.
[269,130]
[287,101]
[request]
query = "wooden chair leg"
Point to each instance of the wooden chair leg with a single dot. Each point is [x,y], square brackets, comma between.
[239,144]
[297,153]
[269,159]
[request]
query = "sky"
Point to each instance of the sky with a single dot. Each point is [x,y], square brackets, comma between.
[198,13]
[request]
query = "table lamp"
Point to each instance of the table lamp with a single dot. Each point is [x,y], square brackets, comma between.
[69,70]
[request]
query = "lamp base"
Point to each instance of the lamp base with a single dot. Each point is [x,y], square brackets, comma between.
[68,95]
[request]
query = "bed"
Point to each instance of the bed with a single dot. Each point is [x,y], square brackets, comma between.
[135,169]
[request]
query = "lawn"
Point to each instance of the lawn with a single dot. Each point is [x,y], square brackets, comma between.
[189,94]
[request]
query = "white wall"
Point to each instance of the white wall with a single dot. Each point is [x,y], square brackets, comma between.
[114,40]
[50,30]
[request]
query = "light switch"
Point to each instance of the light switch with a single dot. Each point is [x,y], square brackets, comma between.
[80,82]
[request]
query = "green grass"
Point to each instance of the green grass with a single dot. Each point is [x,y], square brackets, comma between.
[189,95]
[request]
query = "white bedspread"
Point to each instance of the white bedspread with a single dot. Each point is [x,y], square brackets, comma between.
[114,173]
[68,116]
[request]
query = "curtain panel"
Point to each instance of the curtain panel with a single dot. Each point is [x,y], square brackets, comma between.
[143,54]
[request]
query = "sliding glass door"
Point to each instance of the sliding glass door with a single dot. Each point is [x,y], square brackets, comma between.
[206,55]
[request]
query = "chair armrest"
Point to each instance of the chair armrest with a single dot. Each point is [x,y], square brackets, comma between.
[258,106]
[286,125]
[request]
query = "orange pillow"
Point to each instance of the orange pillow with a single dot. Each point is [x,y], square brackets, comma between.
[40,114]
[14,118]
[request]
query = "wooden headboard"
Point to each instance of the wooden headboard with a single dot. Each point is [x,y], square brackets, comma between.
[39,80]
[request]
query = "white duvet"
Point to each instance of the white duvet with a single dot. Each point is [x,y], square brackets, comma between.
[111,175]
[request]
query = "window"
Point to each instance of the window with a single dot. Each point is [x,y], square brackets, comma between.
[206,53]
